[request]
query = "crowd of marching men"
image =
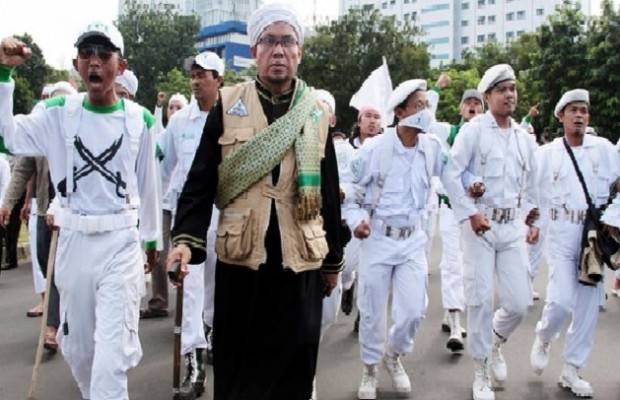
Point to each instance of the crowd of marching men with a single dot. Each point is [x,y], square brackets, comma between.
[280,221]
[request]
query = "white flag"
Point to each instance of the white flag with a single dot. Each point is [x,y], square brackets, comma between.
[375,92]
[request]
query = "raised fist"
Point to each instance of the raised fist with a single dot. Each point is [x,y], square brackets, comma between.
[161,99]
[444,80]
[13,52]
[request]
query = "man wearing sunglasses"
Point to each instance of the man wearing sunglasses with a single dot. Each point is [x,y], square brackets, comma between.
[101,155]
[266,160]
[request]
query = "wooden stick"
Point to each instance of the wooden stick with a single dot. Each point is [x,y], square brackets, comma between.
[51,260]
[173,274]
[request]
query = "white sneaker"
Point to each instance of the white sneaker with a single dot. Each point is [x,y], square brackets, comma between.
[455,342]
[368,386]
[499,369]
[481,389]
[570,379]
[400,380]
[539,356]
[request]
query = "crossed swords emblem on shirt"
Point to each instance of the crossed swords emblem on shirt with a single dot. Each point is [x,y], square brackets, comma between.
[97,164]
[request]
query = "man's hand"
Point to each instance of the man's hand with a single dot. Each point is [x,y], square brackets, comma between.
[13,52]
[24,213]
[331,281]
[534,111]
[479,223]
[181,253]
[533,233]
[49,220]
[476,190]
[152,256]
[5,214]
[362,231]
[532,216]
[443,81]
[161,99]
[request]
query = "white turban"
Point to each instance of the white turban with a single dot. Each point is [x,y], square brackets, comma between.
[404,90]
[65,87]
[178,97]
[270,14]
[129,81]
[494,75]
[571,96]
[327,98]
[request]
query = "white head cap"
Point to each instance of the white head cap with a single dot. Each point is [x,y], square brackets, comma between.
[494,75]
[103,29]
[404,90]
[65,88]
[178,97]
[270,14]
[571,96]
[327,98]
[129,81]
[210,61]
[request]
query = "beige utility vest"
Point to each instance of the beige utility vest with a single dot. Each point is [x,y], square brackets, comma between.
[243,223]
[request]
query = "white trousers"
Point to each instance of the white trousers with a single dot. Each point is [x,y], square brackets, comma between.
[399,265]
[451,264]
[37,276]
[536,254]
[497,256]
[567,299]
[192,331]
[100,278]
[351,263]
[209,273]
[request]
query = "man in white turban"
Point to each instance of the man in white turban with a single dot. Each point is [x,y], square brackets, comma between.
[278,244]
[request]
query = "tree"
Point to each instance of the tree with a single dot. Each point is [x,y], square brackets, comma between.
[603,42]
[173,82]
[36,72]
[343,53]
[156,41]
[23,97]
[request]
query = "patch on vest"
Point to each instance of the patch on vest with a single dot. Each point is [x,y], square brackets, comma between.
[238,109]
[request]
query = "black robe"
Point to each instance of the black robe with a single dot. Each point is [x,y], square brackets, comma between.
[266,323]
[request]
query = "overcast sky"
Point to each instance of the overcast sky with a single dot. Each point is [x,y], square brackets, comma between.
[54,24]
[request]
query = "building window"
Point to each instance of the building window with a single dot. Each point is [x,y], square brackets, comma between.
[510,16]
[492,37]
[491,2]
[481,20]
[481,3]
[464,22]
[510,35]
[519,33]
[406,16]
[384,5]
[520,14]
[480,38]
[465,40]
[392,2]
[491,19]
[368,7]
[540,11]
[406,1]
[465,6]
[414,15]
[436,7]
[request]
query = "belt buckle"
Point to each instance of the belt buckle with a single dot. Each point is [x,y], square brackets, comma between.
[404,233]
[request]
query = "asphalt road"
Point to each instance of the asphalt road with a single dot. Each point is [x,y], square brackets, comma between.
[435,373]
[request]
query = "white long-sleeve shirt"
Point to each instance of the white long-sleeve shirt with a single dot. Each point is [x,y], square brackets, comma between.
[111,168]
[5,176]
[178,144]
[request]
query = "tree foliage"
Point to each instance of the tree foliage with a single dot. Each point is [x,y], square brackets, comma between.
[343,53]
[156,41]
[175,81]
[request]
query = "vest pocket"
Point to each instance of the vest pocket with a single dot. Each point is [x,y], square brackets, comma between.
[314,246]
[234,234]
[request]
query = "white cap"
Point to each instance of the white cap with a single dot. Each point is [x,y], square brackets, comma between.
[327,98]
[270,14]
[404,90]
[129,81]
[571,96]
[103,29]
[64,87]
[494,75]
[210,61]
[178,97]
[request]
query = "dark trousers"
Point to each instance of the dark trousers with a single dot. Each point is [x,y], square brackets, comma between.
[44,238]
[11,236]
[266,332]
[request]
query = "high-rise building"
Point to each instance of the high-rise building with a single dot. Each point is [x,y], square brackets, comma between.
[213,12]
[179,6]
[452,26]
